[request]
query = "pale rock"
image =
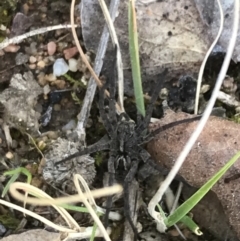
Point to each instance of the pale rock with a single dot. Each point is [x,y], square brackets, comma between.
[73,65]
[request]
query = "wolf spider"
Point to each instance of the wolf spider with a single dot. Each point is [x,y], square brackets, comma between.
[124,141]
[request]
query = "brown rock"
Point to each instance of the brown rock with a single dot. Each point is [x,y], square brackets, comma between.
[217,144]
[70,52]
[12,48]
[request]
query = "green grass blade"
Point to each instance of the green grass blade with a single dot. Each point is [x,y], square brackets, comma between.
[182,210]
[74,208]
[134,56]
[11,180]
[191,225]
[15,174]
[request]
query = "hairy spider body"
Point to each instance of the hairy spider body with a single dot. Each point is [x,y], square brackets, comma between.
[125,140]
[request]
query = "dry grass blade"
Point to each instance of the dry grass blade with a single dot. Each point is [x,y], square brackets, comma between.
[75,230]
[44,201]
[200,74]
[88,205]
[20,38]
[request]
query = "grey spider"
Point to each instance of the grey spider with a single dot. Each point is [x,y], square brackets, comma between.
[125,142]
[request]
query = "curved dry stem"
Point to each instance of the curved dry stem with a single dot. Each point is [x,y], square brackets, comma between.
[119,56]
[200,74]
[45,199]
[95,217]
[71,199]
[99,83]
[34,215]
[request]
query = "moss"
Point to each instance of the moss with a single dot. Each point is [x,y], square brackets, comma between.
[9,221]
[7,10]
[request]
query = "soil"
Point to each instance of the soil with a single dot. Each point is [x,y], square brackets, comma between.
[65,97]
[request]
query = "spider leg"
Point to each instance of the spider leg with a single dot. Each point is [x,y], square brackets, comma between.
[152,134]
[112,102]
[146,120]
[110,122]
[106,122]
[101,145]
[127,182]
[111,171]
[150,167]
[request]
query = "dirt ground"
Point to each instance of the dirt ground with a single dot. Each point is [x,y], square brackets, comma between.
[65,96]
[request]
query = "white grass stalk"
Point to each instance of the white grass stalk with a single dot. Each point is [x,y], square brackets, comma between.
[200,74]
[20,38]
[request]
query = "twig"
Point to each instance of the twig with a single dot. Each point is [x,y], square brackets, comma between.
[87,103]
[20,38]
[133,206]
[187,148]
[114,38]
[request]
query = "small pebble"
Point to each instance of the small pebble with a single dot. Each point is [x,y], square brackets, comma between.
[51,48]
[52,135]
[43,16]
[60,67]
[41,145]
[60,84]
[39,57]
[3,28]
[57,107]
[46,89]
[70,52]
[50,77]
[41,64]
[25,8]
[73,65]
[46,60]
[9,155]
[41,79]
[43,9]
[3,230]
[237,109]
[32,66]
[32,59]
[12,48]
[32,50]
[21,58]
[205,88]
[45,138]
